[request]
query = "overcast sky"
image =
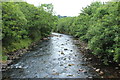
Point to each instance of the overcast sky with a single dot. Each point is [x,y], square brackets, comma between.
[65,7]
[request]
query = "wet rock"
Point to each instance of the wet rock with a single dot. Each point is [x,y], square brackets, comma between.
[28,71]
[2,69]
[20,51]
[101,73]
[65,67]
[62,52]
[64,59]
[11,66]
[65,49]
[110,61]
[17,57]
[24,50]
[82,70]
[61,64]
[94,68]
[111,76]
[20,55]
[42,69]
[70,75]
[60,35]
[46,76]
[71,64]
[9,61]
[13,74]
[45,38]
[118,64]
[90,77]
[8,67]
[18,67]
[85,59]
[102,77]
[89,59]
[30,48]
[56,73]
[25,67]
[97,70]
[54,70]
[116,67]
[10,57]
[32,61]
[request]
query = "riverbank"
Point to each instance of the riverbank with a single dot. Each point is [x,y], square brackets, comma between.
[111,70]
[11,57]
[106,71]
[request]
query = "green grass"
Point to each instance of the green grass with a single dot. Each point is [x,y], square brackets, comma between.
[4,58]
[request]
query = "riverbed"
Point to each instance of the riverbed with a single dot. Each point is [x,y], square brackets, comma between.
[56,57]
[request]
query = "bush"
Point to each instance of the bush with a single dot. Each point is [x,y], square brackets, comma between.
[23,23]
[98,25]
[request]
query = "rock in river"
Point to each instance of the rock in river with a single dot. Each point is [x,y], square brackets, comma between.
[62,52]
[70,64]
[65,49]
[97,70]
[101,73]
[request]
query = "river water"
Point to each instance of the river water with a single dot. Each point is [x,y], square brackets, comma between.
[57,57]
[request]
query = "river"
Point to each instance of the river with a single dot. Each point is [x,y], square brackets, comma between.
[57,57]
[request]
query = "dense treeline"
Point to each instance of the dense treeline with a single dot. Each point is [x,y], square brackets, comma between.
[99,26]
[23,23]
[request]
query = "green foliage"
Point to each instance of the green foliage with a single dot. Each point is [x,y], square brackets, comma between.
[13,23]
[23,23]
[98,25]
[63,24]
[4,58]
[40,22]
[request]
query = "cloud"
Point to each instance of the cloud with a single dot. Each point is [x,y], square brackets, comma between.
[65,7]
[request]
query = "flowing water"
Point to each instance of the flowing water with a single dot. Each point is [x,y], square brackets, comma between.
[57,57]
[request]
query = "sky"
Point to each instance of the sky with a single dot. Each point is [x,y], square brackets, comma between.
[65,7]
